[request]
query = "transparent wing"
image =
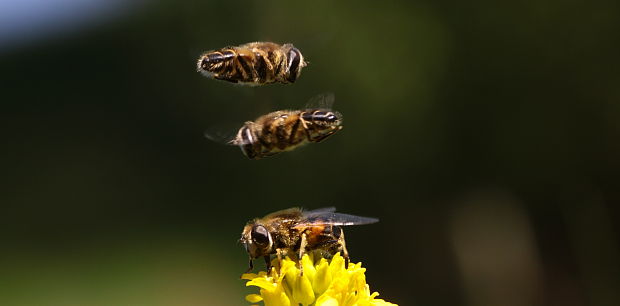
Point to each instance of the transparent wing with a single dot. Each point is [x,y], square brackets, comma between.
[289,214]
[221,135]
[328,216]
[320,210]
[321,101]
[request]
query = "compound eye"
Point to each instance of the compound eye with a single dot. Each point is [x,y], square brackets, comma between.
[294,57]
[260,235]
[331,118]
[204,64]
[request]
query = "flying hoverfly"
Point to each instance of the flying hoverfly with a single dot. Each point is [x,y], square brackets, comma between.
[286,130]
[256,63]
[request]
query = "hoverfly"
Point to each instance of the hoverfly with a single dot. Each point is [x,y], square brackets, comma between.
[295,232]
[256,63]
[286,130]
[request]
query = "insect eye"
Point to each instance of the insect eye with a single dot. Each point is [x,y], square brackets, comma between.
[294,57]
[260,235]
[204,64]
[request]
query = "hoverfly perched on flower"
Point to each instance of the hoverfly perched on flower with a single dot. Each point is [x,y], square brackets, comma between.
[256,63]
[286,130]
[294,232]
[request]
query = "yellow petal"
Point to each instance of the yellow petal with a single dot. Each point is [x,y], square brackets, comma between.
[323,278]
[290,276]
[302,291]
[275,298]
[326,301]
[380,302]
[309,269]
[253,298]
[249,276]
[358,281]
[337,264]
[262,283]
[326,283]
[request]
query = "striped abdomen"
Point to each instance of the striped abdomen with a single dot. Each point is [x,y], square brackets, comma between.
[271,134]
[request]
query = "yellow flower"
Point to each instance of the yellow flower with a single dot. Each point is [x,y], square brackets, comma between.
[324,283]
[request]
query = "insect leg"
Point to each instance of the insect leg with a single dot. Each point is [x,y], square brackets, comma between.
[291,138]
[251,266]
[302,250]
[225,79]
[322,137]
[268,263]
[267,71]
[303,122]
[239,67]
[343,246]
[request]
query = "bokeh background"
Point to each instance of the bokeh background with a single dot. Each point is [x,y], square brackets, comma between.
[483,134]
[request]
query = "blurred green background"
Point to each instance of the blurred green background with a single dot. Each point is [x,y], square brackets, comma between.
[483,134]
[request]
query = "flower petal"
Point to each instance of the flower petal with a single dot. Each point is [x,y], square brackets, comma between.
[262,283]
[253,298]
[309,269]
[323,278]
[337,264]
[324,283]
[249,276]
[275,298]
[326,301]
[302,291]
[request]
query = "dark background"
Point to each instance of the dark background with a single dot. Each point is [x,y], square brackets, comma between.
[484,135]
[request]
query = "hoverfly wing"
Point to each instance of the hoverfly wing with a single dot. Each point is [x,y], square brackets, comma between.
[321,101]
[296,213]
[334,218]
[225,136]
[320,210]
[289,214]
